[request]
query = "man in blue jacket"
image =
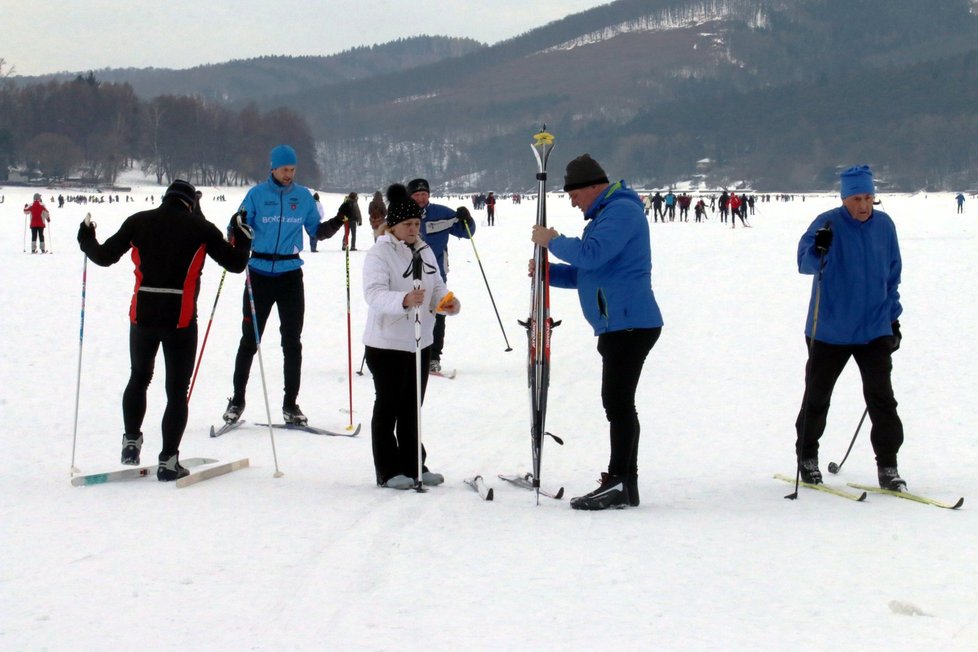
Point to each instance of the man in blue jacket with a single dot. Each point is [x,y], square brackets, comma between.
[611,267]
[854,312]
[437,224]
[277,211]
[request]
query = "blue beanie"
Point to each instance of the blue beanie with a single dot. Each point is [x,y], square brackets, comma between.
[283,155]
[857,180]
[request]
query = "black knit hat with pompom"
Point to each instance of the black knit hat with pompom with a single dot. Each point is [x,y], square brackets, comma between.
[400,206]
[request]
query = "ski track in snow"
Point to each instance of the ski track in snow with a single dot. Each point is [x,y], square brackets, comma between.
[714,559]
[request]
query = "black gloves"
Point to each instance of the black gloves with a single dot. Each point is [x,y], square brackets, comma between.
[239,233]
[464,217]
[823,240]
[86,230]
[897,337]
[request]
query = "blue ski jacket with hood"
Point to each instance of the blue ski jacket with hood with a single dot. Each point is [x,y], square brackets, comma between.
[610,264]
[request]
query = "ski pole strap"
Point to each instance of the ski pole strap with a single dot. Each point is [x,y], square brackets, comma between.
[262,256]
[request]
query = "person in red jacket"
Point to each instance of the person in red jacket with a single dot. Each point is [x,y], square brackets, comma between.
[734,205]
[39,217]
[168,244]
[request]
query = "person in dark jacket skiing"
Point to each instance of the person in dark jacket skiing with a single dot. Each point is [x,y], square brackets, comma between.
[277,210]
[350,208]
[854,311]
[611,267]
[437,224]
[168,247]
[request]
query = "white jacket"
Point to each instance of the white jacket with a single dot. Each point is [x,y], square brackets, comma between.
[389,324]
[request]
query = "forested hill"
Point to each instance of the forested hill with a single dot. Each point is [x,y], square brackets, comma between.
[778,93]
[244,80]
[616,69]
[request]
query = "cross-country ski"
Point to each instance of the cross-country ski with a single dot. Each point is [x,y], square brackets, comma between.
[479,484]
[134,473]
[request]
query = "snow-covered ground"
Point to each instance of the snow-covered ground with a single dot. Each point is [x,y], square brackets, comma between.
[321,559]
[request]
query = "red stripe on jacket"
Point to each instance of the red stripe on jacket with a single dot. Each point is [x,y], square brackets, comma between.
[191,283]
[138,273]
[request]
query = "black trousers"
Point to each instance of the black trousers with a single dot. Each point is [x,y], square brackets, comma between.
[822,371]
[37,232]
[288,293]
[439,337]
[394,424]
[623,355]
[179,351]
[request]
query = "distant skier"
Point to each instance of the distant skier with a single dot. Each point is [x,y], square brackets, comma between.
[491,210]
[853,313]
[611,267]
[657,211]
[39,216]
[960,200]
[377,212]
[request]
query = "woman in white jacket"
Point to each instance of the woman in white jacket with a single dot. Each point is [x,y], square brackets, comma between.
[389,337]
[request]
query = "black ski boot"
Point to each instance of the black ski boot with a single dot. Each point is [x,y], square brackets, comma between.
[612,494]
[810,472]
[170,468]
[293,415]
[235,408]
[632,483]
[890,478]
[131,445]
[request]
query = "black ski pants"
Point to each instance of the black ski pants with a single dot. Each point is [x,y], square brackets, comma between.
[288,293]
[623,355]
[179,350]
[394,424]
[821,373]
[439,336]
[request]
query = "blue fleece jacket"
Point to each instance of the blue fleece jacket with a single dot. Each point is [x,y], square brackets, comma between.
[860,298]
[437,224]
[278,214]
[610,264]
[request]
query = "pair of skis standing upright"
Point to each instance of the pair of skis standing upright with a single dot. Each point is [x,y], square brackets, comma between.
[539,327]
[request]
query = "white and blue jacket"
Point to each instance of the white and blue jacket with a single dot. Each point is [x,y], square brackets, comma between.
[278,215]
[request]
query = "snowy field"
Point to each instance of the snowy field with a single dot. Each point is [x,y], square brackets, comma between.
[322,559]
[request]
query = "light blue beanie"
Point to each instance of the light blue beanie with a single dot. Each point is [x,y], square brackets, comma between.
[857,180]
[283,155]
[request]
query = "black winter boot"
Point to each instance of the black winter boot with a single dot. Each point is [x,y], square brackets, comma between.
[612,494]
[810,472]
[170,468]
[890,478]
[131,445]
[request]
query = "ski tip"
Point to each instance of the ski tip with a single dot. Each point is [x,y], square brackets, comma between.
[490,495]
[355,431]
[559,494]
[958,504]
[860,498]
[213,432]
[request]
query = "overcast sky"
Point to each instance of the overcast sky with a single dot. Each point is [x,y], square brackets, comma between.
[43,36]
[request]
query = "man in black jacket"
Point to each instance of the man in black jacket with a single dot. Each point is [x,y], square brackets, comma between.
[169,244]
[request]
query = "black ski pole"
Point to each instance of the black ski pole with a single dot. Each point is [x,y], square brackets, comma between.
[808,371]
[835,468]
[488,289]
